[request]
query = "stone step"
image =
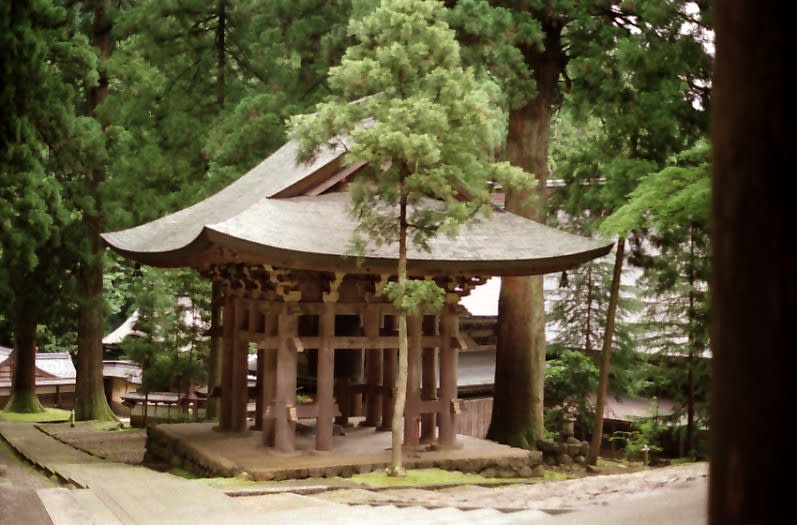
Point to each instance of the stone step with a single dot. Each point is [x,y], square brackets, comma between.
[520,517]
[76,507]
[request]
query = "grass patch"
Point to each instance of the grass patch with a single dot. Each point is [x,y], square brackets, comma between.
[49,415]
[181,473]
[230,483]
[429,477]
[554,475]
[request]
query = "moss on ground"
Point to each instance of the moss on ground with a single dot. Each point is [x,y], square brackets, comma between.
[49,415]
[430,477]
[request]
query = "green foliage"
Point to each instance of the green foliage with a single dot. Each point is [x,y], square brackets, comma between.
[44,66]
[415,296]
[644,439]
[569,378]
[419,117]
[670,200]
[171,349]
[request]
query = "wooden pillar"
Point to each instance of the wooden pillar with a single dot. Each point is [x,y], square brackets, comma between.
[325,378]
[284,407]
[259,389]
[429,381]
[228,327]
[240,365]
[449,329]
[412,431]
[216,342]
[389,369]
[269,366]
[373,367]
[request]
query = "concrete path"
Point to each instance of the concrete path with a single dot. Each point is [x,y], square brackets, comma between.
[118,494]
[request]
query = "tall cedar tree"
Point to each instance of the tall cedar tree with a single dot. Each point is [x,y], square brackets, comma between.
[42,141]
[562,46]
[90,400]
[201,90]
[427,127]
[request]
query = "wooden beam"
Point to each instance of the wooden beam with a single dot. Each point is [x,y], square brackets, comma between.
[325,379]
[346,342]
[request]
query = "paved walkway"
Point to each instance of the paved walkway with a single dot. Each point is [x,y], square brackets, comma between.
[114,493]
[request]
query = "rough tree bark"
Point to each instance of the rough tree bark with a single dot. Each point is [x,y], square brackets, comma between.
[608,336]
[400,389]
[90,401]
[23,381]
[753,285]
[520,355]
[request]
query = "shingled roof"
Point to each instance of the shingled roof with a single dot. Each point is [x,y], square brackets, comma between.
[272,215]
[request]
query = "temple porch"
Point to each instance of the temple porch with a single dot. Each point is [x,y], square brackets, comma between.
[203,451]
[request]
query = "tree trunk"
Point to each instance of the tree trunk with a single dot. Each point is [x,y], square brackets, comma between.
[608,336]
[221,55]
[396,468]
[588,333]
[753,280]
[520,353]
[690,362]
[90,401]
[23,382]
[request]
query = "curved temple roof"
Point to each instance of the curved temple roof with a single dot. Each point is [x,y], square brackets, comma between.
[264,218]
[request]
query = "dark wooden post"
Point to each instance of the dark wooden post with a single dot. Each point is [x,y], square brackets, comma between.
[260,388]
[373,367]
[429,381]
[240,365]
[228,327]
[412,432]
[284,409]
[753,262]
[269,366]
[449,329]
[389,368]
[325,377]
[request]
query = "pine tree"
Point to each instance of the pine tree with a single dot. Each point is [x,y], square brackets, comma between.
[433,131]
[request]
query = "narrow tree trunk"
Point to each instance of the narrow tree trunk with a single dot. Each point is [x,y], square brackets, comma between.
[588,341]
[690,362]
[90,401]
[608,336]
[221,55]
[396,468]
[23,381]
[520,353]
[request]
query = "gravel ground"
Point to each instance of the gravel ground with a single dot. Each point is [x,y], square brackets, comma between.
[582,493]
[128,446]
[121,446]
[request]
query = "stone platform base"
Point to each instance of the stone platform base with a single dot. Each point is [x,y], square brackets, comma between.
[198,448]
